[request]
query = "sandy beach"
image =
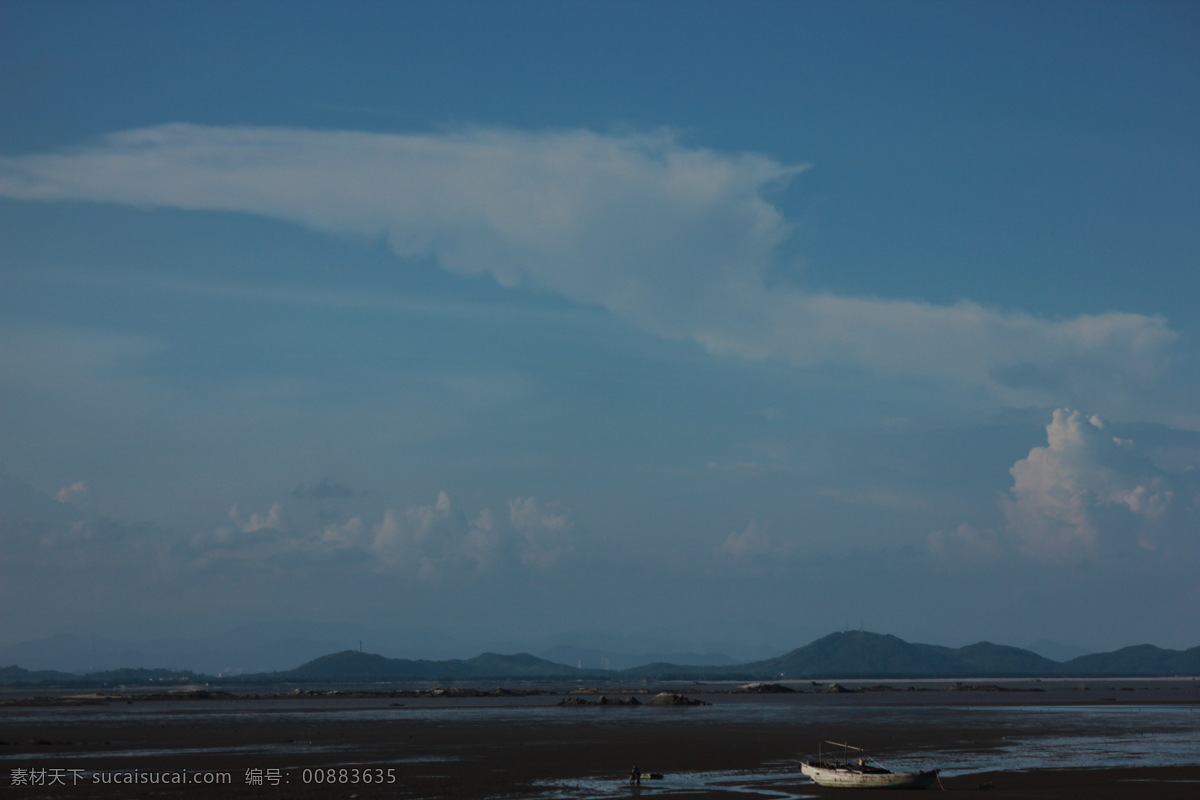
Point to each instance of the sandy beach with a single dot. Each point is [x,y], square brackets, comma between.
[529,747]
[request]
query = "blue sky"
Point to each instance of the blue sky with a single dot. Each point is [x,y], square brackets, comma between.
[733,322]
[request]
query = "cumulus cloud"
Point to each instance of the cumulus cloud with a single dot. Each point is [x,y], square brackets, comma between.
[77,493]
[1083,491]
[428,543]
[752,543]
[425,541]
[1085,494]
[673,238]
[272,520]
[543,530]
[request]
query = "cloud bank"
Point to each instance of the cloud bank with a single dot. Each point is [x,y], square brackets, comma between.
[427,543]
[673,238]
[299,554]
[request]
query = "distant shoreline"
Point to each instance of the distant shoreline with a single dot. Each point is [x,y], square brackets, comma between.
[847,656]
[923,691]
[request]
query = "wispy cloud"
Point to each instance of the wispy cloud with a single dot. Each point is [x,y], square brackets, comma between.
[284,293]
[673,238]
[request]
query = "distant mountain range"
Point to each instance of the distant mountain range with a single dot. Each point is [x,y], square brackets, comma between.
[860,654]
[261,647]
[281,645]
[351,664]
[852,654]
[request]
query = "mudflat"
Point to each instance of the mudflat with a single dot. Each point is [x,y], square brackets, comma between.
[530,747]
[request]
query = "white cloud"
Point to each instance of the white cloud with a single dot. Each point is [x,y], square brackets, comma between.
[1018,357]
[1085,494]
[425,541]
[272,520]
[78,493]
[673,238]
[752,543]
[1084,490]
[428,543]
[543,531]
[349,534]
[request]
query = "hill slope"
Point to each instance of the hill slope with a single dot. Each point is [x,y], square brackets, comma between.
[996,659]
[16,676]
[861,654]
[1142,659]
[355,665]
[851,654]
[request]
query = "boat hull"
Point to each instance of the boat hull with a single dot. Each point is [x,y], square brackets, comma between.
[855,778]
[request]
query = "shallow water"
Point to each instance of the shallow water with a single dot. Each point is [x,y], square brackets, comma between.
[1002,737]
[753,785]
[1135,737]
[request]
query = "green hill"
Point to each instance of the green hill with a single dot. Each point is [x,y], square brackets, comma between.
[1141,659]
[16,676]
[851,654]
[859,654]
[355,665]
[998,659]
[521,665]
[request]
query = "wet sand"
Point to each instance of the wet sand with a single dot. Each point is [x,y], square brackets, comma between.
[465,755]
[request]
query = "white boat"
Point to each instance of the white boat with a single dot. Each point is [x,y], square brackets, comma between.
[856,773]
